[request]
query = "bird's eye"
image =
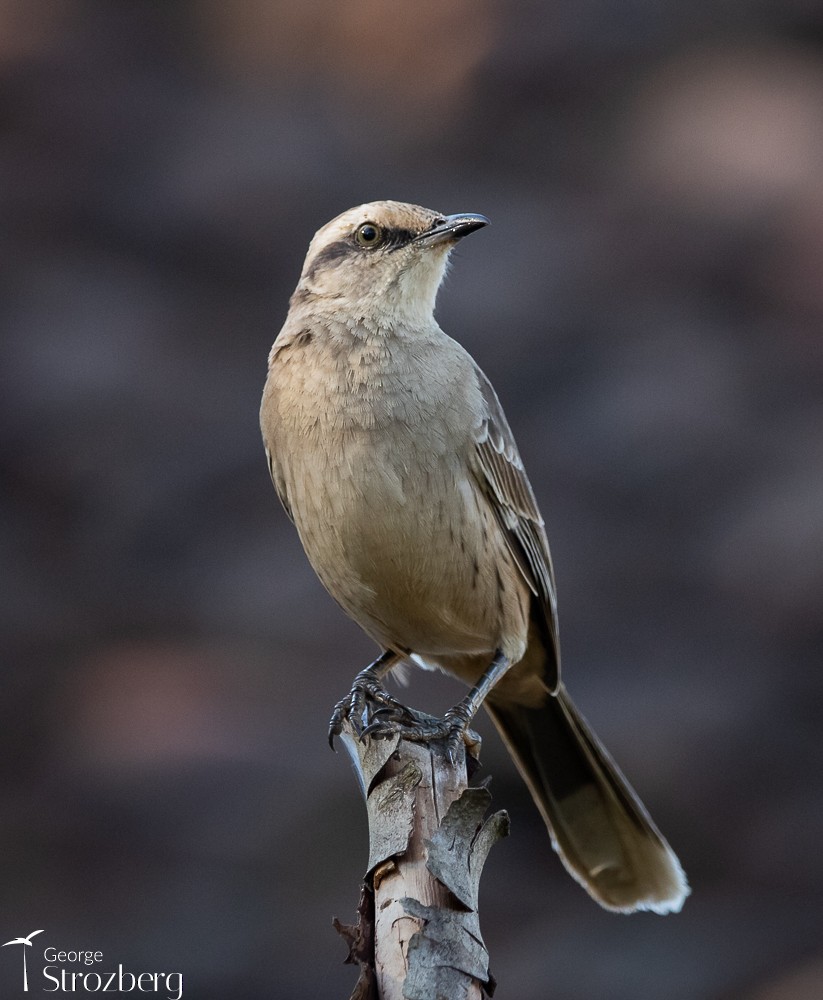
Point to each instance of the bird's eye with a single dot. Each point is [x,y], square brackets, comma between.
[369,235]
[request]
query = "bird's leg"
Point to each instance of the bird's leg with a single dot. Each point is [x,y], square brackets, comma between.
[367,687]
[454,726]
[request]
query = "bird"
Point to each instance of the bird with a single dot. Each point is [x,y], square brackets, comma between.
[390,452]
[26,942]
[23,940]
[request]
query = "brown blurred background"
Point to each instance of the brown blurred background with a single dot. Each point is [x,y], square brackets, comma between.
[649,304]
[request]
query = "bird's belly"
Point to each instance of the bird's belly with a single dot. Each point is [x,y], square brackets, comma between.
[400,545]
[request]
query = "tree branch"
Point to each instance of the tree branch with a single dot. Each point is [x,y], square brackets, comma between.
[418,932]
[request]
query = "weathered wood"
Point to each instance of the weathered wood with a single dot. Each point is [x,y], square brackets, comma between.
[428,841]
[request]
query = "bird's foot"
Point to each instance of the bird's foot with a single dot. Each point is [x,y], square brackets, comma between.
[366,700]
[453,727]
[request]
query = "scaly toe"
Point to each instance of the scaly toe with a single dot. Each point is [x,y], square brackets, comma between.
[358,708]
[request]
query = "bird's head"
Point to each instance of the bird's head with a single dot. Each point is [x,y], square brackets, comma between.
[382,262]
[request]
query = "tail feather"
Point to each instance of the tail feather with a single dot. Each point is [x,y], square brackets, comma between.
[598,825]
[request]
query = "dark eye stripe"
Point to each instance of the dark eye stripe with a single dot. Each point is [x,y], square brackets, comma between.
[390,239]
[334,253]
[396,238]
[329,256]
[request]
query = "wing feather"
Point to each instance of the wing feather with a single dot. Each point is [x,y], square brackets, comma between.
[505,482]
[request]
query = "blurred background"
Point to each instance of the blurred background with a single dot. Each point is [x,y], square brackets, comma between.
[649,305]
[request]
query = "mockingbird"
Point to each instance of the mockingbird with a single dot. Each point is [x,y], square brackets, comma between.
[392,456]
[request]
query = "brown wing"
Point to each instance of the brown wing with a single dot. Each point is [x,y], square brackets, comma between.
[505,482]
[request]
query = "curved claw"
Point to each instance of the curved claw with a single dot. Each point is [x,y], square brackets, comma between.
[375,730]
[386,711]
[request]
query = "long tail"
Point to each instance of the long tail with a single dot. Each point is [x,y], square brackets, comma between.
[598,825]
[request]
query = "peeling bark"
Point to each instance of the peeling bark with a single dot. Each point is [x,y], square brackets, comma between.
[418,931]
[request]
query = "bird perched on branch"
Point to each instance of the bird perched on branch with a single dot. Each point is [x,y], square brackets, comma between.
[391,454]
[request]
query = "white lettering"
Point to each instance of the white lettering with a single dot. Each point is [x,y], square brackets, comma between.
[120,981]
[73,957]
[177,986]
[54,979]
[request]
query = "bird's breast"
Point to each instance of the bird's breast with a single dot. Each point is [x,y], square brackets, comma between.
[374,454]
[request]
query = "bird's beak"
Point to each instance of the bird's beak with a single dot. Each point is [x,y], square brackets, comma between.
[452,228]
